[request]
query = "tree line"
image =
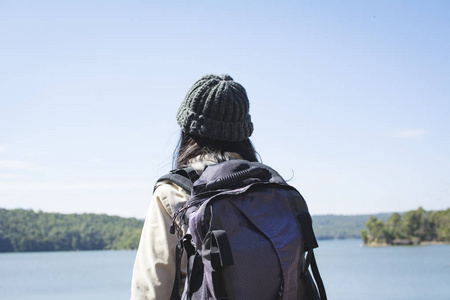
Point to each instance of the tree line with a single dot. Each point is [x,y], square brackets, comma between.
[340,226]
[27,230]
[413,227]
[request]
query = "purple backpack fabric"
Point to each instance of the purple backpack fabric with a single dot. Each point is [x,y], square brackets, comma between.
[248,235]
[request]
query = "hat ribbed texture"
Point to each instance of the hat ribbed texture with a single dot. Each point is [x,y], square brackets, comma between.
[217,108]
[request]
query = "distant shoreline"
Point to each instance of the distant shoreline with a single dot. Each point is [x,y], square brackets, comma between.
[425,243]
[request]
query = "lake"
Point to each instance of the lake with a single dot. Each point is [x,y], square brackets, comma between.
[349,272]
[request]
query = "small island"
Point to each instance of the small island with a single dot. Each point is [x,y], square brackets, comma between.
[416,227]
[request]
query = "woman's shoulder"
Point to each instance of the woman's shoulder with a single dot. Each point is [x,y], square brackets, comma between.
[171,196]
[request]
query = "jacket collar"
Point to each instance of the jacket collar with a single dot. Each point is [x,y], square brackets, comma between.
[200,162]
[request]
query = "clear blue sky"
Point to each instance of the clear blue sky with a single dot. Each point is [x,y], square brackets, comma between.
[351,98]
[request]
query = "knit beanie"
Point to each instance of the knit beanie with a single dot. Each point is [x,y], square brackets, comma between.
[217,108]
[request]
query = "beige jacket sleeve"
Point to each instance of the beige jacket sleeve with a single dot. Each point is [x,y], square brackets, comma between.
[154,268]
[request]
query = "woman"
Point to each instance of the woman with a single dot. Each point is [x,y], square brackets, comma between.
[216,126]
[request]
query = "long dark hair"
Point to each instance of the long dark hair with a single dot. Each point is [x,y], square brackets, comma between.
[190,147]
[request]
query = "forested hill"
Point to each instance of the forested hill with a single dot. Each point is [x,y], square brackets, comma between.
[342,226]
[27,230]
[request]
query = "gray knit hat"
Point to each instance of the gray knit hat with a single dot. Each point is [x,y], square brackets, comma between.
[216,108]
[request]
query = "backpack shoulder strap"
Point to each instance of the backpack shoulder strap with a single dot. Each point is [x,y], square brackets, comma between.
[311,243]
[181,177]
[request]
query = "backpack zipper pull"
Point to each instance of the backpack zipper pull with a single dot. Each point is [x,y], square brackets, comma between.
[172,229]
[281,292]
[182,211]
[174,225]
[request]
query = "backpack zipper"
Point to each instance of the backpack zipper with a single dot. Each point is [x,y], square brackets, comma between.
[281,291]
[217,184]
[180,212]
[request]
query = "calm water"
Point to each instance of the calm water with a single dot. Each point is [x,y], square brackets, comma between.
[349,272]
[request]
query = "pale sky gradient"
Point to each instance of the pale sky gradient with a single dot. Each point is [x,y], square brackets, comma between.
[351,98]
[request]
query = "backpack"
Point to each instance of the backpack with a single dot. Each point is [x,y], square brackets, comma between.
[247,235]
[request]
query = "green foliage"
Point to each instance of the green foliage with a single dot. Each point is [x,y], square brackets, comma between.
[377,231]
[26,230]
[394,224]
[442,222]
[413,227]
[364,236]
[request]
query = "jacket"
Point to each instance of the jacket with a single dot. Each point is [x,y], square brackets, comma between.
[154,267]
